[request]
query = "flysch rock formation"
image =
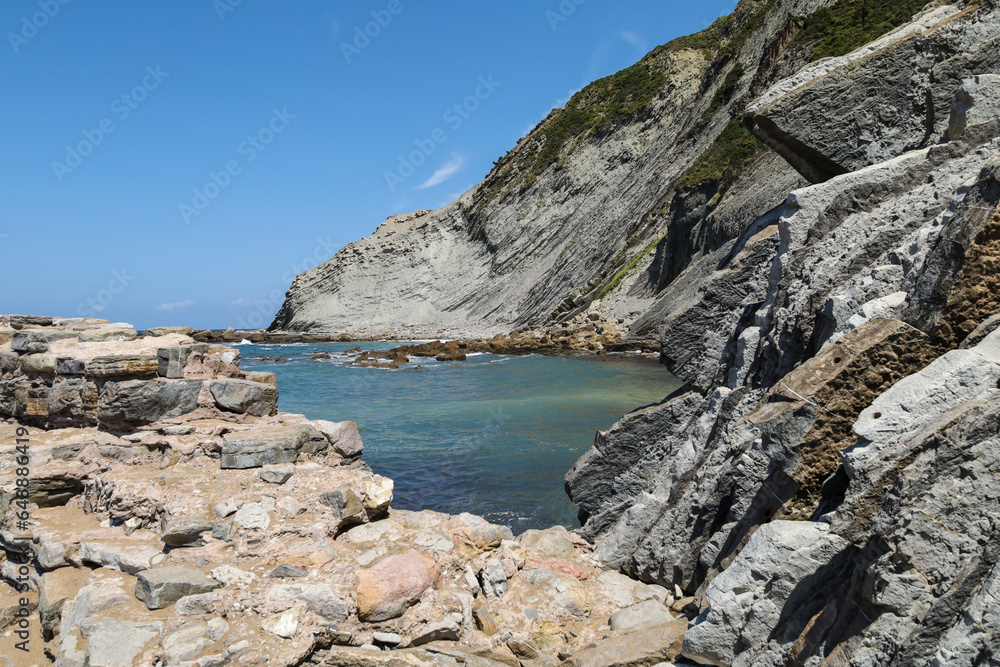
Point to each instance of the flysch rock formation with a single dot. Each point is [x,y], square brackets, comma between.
[158,509]
[824,486]
[567,210]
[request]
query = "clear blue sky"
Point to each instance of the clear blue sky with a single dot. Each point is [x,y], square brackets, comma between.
[114,113]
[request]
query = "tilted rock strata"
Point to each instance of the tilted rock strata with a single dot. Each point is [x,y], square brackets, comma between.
[841,371]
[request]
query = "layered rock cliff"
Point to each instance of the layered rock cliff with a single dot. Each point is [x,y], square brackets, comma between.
[575,207]
[821,485]
[825,485]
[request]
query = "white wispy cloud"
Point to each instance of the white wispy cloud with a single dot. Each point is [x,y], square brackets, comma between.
[449,169]
[171,307]
[635,40]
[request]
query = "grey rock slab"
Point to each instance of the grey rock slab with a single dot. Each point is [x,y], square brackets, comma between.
[185,531]
[253,516]
[343,436]
[245,396]
[642,616]
[286,571]
[269,446]
[30,342]
[916,401]
[745,600]
[115,643]
[144,401]
[194,605]
[160,587]
[127,557]
[277,474]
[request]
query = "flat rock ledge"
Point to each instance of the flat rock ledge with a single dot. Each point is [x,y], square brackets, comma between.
[177,518]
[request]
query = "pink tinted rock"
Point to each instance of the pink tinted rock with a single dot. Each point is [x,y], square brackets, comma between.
[472,535]
[392,586]
[564,566]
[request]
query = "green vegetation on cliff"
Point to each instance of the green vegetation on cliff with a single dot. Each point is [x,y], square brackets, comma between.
[732,151]
[597,107]
[728,33]
[849,24]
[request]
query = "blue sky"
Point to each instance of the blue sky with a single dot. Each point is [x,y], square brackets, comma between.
[179,162]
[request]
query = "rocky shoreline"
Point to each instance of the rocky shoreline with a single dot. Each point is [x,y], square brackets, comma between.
[586,334]
[159,510]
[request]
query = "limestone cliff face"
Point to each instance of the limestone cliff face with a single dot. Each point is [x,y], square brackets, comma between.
[825,485]
[820,484]
[568,208]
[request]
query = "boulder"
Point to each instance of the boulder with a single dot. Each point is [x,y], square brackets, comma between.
[345,505]
[655,646]
[194,605]
[39,363]
[144,401]
[446,630]
[245,396]
[493,579]
[269,445]
[123,555]
[565,590]
[378,495]
[472,535]
[253,516]
[166,331]
[642,616]
[277,474]
[114,643]
[395,584]
[320,600]
[553,542]
[162,586]
[185,532]
[343,437]
[171,360]
[54,589]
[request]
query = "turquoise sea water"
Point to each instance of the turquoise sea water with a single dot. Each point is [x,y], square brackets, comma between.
[492,435]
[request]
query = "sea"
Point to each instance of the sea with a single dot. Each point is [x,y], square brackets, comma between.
[493,435]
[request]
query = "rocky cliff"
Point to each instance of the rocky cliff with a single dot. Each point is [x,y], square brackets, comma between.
[573,211]
[813,240]
[821,485]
